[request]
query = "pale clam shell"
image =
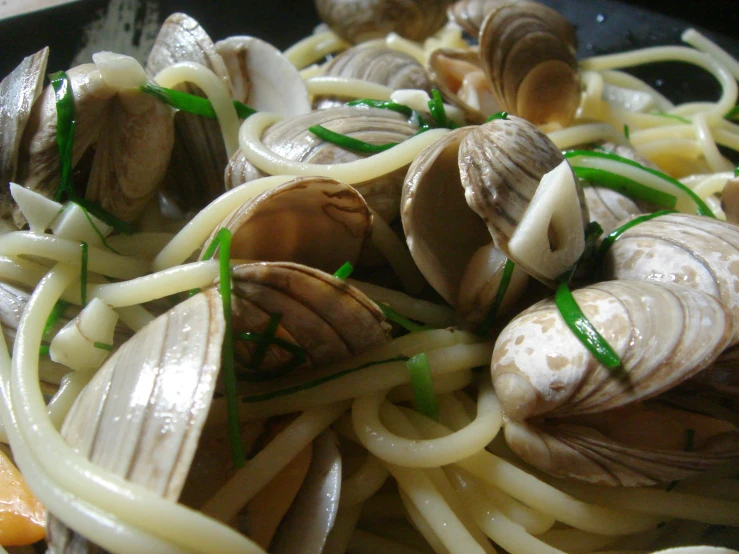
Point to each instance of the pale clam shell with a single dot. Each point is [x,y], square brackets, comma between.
[608,207]
[528,52]
[195,173]
[360,20]
[142,414]
[18,91]
[314,221]
[291,139]
[691,250]
[470,14]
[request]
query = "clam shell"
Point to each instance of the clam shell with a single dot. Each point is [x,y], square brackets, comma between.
[142,414]
[377,64]
[699,252]
[445,236]
[330,319]
[359,20]
[470,14]
[528,52]
[195,173]
[18,92]
[314,221]
[291,139]
[609,207]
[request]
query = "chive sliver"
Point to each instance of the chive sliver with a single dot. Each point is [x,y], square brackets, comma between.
[423,387]
[384,104]
[348,142]
[64,130]
[344,271]
[403,321]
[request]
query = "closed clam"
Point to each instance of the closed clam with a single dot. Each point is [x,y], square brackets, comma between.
[291,139]
[123,137]
[377,64]
[18,91]
[358,20]
[313,221]
[470,14]
[449,242]
[690,250]
[516,180]
[570,416]
[528,52]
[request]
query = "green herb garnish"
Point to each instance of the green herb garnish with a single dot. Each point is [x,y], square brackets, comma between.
[65,124]
[593,231]
[299,355]
[316,382]
[423,386]
[384,104]
[584,330]
[43,350]
[733,113]
[344,271]
[56,313]
[627,132]
[227,350]
[672,116]
[83,274]
[103,346]
[268,337]
[96,210]
[499,115]
[438,112]
[191,103]
[403,321]
[348,142]
[616,233]
[505,281]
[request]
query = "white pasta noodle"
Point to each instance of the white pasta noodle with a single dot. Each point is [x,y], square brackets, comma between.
[314,48]
[347,87]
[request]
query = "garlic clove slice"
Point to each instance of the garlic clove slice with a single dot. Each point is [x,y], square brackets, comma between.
[38,210]
[550,237]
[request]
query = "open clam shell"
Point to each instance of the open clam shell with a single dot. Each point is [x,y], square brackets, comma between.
[449,242]
[142,414]
[359,20]
[291,139]
[314,221]
[470,14]
[199,154]
[690,250]
[18,92]
[528,51]
[556,395]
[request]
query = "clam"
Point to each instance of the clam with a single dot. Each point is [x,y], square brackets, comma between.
[325,317]
[469,14]
[695,251]
[359,20]
[18,91]
[199,154]
[122,142]
[377,64]
[142,414]
[528,52]
[262,77]
[730,200]
[449,242]
[608,207]
[572,417]
[291,139]
[313,221]
[459,76]
[517,181]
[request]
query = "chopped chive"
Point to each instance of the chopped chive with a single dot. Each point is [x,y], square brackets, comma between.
[700,206]
[616,233]
[193,292]
[97,231]
[423,386]
[438,112]
[626,186]
[299,355]
[423,125]
[403,321]
[103,346]
[593,231]
[43,350]
[83,275]
[227,351]
[64,130]
[733,113]
[505,281]
[269,336]
[499,115]
[736,172]
[191,103]
[56,313]
[316,382]
[627,132]
[384,104]
[672,116]
[344,271]
[348,142]
[584,330]
[98,211]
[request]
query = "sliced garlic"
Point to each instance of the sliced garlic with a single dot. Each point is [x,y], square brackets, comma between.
[73,224]
[81,343]
[120,71]
[38,210]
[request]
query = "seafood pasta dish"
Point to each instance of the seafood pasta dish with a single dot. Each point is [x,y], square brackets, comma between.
[424,282]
